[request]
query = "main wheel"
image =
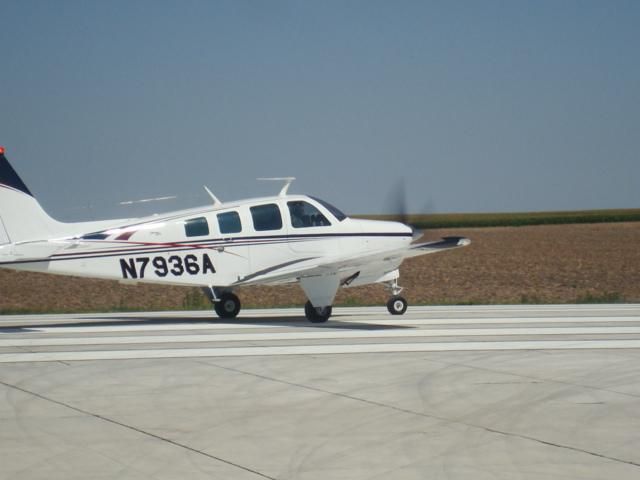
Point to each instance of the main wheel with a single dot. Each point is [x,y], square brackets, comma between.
[397,305]
[228,306]
[317,315]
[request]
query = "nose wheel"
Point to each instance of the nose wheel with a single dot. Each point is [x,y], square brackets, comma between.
[397,305]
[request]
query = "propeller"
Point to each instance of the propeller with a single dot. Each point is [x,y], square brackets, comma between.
[400,209]
[398,202]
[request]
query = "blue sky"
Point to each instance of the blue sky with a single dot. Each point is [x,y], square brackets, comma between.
[475,106]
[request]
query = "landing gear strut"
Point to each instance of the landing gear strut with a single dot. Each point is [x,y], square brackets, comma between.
[317,315]
[396,305]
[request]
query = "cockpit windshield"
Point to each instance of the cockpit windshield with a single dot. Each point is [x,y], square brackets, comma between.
[340,216]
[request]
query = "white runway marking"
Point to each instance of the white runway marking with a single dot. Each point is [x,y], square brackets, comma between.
[364,331]
[317,350]
[160,327]
[149,327]
[321,334]
[497,321]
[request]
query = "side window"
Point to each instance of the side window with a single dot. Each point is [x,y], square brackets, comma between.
[196,227]
[229,222]
[305,215]
[340,216]
[266,217]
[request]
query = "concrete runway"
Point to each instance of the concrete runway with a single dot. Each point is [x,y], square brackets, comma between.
[441,392]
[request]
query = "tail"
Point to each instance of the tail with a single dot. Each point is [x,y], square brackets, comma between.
[21,216]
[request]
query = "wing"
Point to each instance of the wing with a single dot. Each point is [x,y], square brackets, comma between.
[446,243]
[345,266]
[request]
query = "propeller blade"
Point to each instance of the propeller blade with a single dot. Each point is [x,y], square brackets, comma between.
[400,210]
[398,202]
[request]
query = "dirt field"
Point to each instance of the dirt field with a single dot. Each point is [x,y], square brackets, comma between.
[542,264]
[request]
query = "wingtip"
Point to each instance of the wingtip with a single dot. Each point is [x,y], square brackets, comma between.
[457,241]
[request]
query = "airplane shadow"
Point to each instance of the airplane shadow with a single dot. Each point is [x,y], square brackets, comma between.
[115,321]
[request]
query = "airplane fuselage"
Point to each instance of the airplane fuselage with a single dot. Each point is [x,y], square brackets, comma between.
[225,246]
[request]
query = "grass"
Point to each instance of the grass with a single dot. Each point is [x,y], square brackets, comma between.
[604,297]
[195,300]
[514,219]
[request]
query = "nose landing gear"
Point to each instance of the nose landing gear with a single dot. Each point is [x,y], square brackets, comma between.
[396,305]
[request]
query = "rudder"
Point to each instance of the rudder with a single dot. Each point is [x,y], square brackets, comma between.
[21,216]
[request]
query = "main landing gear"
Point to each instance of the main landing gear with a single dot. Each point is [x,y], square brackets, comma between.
[225,303]
[317,314]
[228,306]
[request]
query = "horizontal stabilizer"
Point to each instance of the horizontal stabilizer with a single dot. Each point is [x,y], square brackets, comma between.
[29,251]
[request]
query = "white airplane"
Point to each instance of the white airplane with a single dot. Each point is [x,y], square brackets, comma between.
[274,240]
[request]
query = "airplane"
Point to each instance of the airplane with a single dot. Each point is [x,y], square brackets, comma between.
[220,247]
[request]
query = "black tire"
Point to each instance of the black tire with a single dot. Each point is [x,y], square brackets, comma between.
[228,306]
[315,315]
[397,305]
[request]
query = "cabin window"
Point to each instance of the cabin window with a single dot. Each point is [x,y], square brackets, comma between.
[229,222]
[304,215]
[266,217]
[196,227]
[340,216]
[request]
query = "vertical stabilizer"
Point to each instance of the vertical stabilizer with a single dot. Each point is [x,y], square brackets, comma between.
[21,216]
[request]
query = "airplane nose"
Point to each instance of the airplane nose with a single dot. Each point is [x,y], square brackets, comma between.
[415,233]
[404,228]
[408,229]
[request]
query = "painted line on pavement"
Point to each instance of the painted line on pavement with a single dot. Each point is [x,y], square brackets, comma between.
[318,350]
[489,321]
[337,322]
[320,334]
[150,327]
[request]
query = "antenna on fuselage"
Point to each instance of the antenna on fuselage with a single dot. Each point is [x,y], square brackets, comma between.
[216,200]
[287,182]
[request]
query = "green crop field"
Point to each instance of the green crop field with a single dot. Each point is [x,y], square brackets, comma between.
[467,220]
